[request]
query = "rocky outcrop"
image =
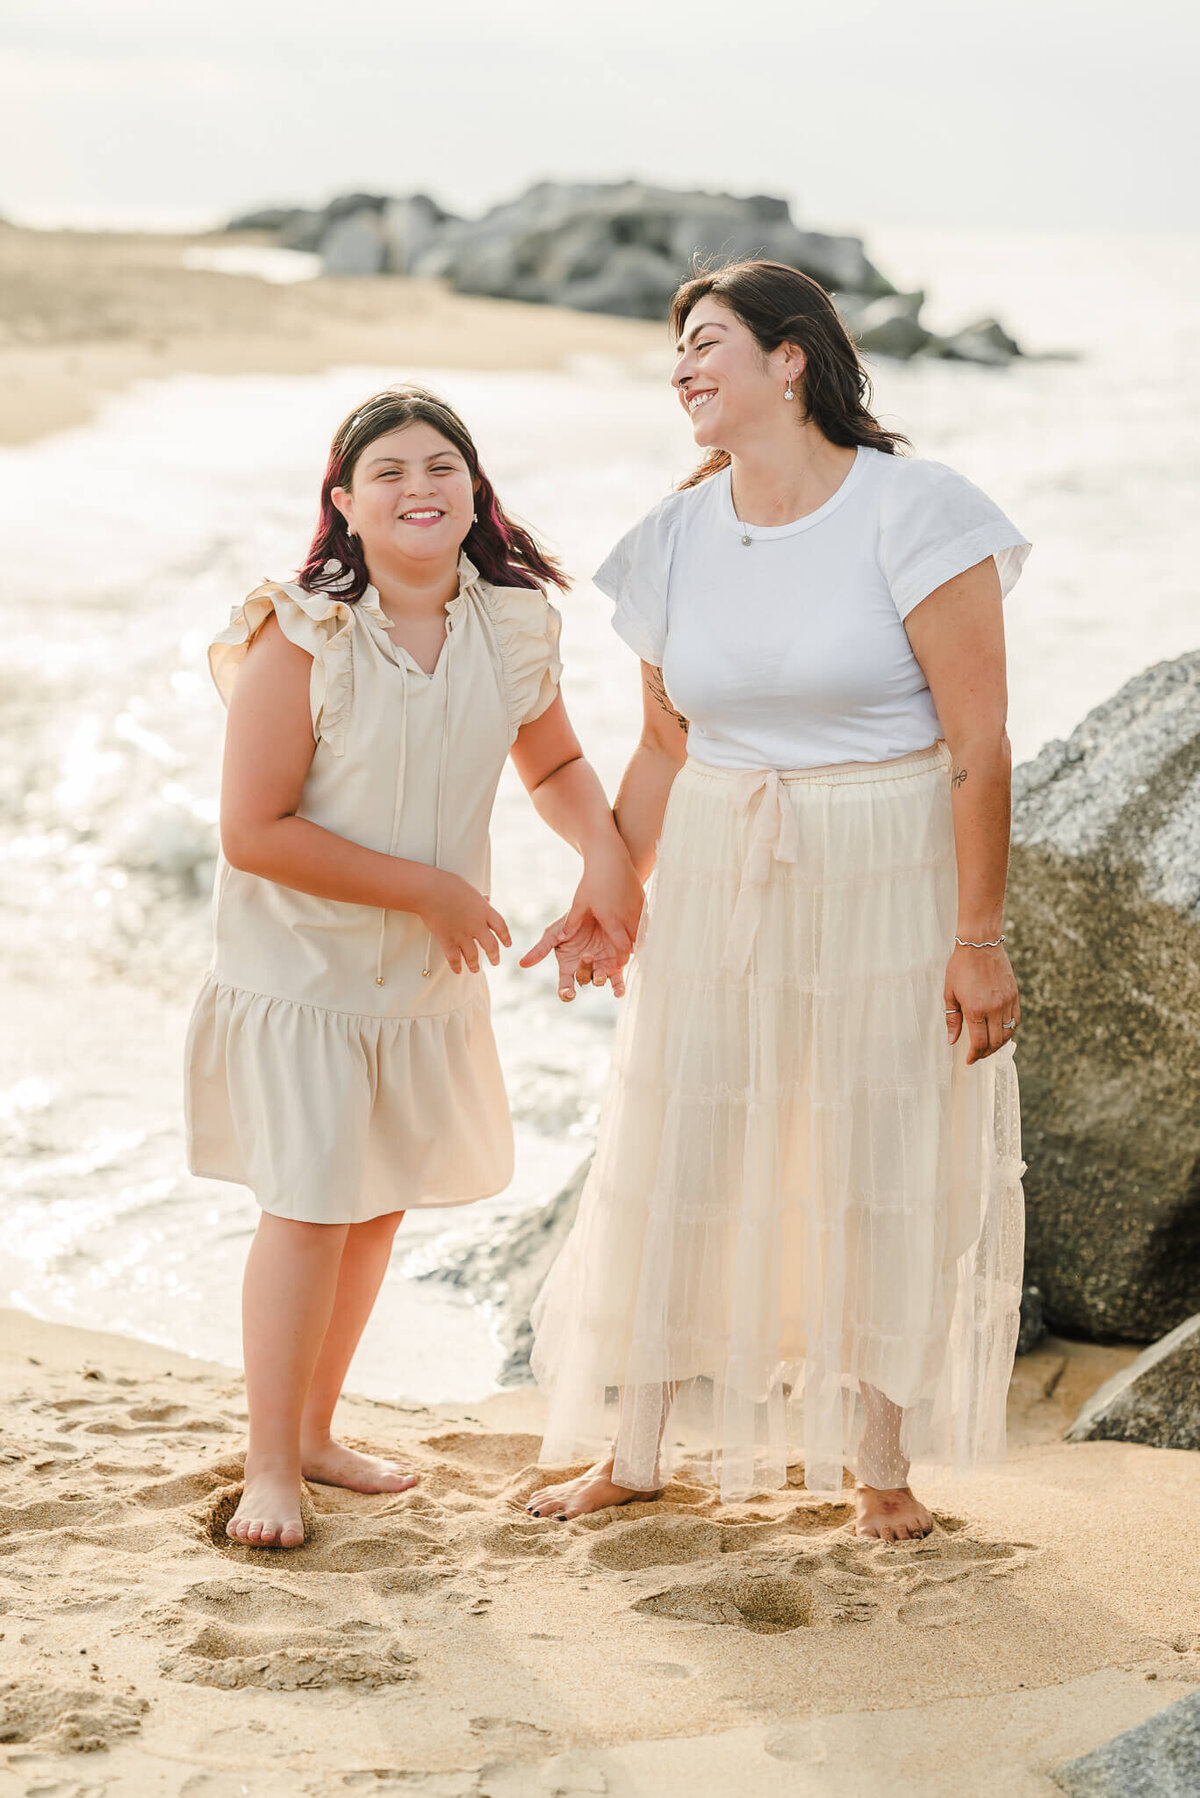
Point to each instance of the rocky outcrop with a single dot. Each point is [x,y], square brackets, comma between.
[1155,1400]
[1158,1759]
[504,1266]
[1103,926]
[616,247]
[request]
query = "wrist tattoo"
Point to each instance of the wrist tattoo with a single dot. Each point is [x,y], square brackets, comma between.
[957,776]
[658,692]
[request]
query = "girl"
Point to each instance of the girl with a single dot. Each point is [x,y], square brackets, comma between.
[806,1199]
[340,1059]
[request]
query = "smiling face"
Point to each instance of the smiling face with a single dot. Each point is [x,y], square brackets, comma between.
[725,381]
[410,498]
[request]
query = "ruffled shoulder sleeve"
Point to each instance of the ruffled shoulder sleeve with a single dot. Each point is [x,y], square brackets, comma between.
[315,622]
[635,575]
[934,524]
[527,630]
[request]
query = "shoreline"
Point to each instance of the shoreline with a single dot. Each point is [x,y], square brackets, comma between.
[440,1641]
[84,315]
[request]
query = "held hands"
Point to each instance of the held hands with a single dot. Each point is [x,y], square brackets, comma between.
[463,922]
[981,993]
[594,940]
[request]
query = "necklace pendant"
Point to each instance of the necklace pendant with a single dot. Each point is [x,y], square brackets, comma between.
[745,540]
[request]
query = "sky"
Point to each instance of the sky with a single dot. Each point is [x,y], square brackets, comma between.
[1047,115]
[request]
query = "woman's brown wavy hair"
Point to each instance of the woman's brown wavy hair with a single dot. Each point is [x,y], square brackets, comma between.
[504,552]
[778,304]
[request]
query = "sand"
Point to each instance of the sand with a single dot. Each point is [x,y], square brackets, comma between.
[83,315]
[442,1642]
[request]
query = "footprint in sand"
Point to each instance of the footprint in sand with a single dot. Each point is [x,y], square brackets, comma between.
[67,1719]
[356,1653]
[763,1603]
[233,1633]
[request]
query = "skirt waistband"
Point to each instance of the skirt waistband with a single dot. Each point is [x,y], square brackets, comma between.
[901,767]
[772,833]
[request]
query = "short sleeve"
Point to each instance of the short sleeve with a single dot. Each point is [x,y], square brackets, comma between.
[635,575]
[314,622]
[527,631]
[935,524]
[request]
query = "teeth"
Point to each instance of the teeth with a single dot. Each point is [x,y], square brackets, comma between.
[698,400]
[431,514]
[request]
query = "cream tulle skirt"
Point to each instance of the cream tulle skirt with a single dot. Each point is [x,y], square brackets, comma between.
[801,1193]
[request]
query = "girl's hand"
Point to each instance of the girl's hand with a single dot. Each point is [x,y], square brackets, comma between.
[595,939]
[981,991]
[462,921]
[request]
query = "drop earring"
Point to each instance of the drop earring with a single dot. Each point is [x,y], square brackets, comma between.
[787,392]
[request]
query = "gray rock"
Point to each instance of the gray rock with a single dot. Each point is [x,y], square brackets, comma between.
[1158,1759]
[506,1265]
[891,326]
[1155,1400]
[985,341]
[1033,1320]
[1103,926]
[633,283]
[354,245]
[620,247]
[410,228]
[308,227]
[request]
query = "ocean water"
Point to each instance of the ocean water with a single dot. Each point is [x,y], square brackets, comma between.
[131,538]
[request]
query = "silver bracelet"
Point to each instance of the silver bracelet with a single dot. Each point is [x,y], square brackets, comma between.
[964,945]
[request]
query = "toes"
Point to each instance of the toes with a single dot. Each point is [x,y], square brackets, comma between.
[292,1534]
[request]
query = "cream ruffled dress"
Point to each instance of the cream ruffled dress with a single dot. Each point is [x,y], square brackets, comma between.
[335,1063]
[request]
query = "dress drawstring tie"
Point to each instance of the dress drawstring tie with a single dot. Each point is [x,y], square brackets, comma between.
[772,837]
[398,804]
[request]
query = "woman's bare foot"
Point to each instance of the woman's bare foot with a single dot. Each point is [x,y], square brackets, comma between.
[268,1513]
[592,1491]
[893,1515]
[331,1463]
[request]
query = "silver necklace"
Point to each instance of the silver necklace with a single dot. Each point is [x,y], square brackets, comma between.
[745,529]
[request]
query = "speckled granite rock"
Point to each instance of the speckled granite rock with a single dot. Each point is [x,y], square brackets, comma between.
[1103,925]
[1156,1399]
[1158,1759]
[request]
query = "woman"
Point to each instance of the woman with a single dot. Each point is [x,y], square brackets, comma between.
[805,1208]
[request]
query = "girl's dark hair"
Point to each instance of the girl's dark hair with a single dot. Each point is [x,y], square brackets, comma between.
[504,552]
[778,305]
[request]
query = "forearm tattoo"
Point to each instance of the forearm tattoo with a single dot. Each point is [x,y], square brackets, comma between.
[957,776]
[654,680]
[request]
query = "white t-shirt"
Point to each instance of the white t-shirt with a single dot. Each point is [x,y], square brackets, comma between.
[792,652]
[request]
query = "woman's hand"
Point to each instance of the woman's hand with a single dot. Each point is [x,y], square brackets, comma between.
[594,940]
[462,921]
[981,991]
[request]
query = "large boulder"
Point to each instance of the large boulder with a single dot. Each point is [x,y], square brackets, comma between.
[624,246]
[1155,1400]
[1103,926]
[354,245]
[1158,1759]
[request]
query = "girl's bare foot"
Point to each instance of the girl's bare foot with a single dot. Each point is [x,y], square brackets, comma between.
[268,1513]
[592,1491]
[893,1515]
[331,1463]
